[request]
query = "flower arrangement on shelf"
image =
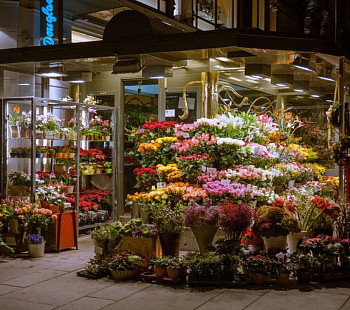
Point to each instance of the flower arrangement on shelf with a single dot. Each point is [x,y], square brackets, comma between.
[167,218]
[51,194]
[257,263]
[37,220]
[20,152]
[191,166]
[135,228]
[18,178]
[48,123]
[93,200]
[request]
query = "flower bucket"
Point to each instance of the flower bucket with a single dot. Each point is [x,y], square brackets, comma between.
[14,226]
[304,276]
[121,275]
[293,239]
[15,131]
[170,243]
[204,236]
[275,242]
[291,183]
[48,135]
[36,250]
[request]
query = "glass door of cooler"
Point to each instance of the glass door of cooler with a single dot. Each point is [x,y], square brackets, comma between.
[17,148]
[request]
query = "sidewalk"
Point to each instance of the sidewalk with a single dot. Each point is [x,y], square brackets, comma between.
[51,283]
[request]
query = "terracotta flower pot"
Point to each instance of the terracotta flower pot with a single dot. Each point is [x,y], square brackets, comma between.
[258,278]
[160,272]
[282,279]
[173,273]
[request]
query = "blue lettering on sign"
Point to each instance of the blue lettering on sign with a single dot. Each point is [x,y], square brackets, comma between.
[50,19]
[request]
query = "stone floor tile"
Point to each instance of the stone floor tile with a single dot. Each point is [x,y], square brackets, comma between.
[120,290]
[336,288]
[69,266]
[13,304]
[230,300]
[86,303]
[5,289]
[346,305]
[60,290]
[164,298]
[293,299]
[34,278]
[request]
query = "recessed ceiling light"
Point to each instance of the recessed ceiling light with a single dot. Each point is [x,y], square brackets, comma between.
[315,96]
[299,90]
[23,84]
[329,100]
[282,85]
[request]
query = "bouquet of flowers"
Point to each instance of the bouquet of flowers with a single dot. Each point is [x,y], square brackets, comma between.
[191,166]
[145,177]
[201,215]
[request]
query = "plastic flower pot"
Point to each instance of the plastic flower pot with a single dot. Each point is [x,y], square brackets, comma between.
[36,250]
[108,170]
[59,155]
[204,236]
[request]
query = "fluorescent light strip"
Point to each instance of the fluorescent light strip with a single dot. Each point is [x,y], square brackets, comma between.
[326,78]
[299,90]
[315,96]
[329,100]
[303,68]
[235,79]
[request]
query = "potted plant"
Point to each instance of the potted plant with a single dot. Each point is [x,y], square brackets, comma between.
[174,267]
[235,219]
[159,266]
[284,265]
[258,267]
[123,265]
[26,121]
[108,167]
[19,183]
[273,224]
[58,152]
[36,245]
[14,119]
[306,265]
[168,219]
[203,221]
[37,220]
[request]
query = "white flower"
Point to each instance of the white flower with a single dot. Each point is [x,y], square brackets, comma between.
[230,141]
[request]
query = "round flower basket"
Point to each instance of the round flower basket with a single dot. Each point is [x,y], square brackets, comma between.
[122,275]
[36,250]
[275,242]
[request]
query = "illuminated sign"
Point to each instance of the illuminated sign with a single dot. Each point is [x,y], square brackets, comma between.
[49,21]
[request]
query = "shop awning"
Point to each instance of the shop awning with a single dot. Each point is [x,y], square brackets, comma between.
[171,42]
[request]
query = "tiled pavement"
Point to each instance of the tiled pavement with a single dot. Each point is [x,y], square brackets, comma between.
[51,283]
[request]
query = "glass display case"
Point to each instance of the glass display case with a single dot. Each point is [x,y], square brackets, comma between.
[58,152]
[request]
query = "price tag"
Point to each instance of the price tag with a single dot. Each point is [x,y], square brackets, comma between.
[186,135]
[211,170]
[161,185]
[170,113]
[225,182]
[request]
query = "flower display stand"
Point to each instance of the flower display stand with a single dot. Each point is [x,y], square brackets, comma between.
[64,231]
[145,247]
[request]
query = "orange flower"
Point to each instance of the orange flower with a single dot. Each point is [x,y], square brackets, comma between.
[16,109]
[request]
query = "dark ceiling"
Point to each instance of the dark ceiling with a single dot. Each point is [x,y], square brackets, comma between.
[83,7]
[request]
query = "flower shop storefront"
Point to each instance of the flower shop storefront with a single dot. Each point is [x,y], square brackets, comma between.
[229,151]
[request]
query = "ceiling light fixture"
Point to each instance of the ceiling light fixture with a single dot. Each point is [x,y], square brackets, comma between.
[78,77]
[157,72]
[51,72]
[127,65]
[298,90]
[315,96]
